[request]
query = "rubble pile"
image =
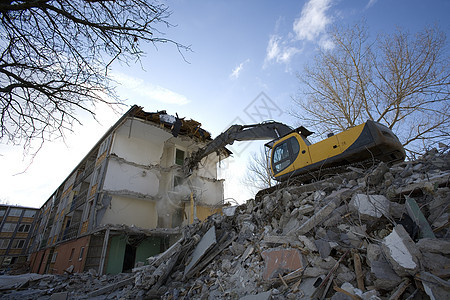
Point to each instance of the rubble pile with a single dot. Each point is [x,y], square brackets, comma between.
[376,233]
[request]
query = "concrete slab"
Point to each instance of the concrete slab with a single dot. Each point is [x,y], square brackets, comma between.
[260,296]
[317,218]
[12,281]
[401,252]
[309,286]
[59,296]
[435,287]
[434,245]
[207,241]
[324,248]
[374,206]
[280,261]
[229,211]
[385,277]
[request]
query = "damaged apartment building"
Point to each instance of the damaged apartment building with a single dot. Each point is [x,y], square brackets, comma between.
[126,200]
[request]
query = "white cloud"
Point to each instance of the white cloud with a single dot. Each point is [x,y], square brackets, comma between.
[313,20]
[371,3]
[273,50]
[163,95]
[278,51]
[326,43]
[310,26]
[237,71]
[154,92]
[287,54]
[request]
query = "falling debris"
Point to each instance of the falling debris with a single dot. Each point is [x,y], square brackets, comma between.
[379,233]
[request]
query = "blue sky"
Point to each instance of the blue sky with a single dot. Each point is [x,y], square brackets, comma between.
[240,49]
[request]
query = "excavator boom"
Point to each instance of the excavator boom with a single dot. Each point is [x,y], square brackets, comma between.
[262,131]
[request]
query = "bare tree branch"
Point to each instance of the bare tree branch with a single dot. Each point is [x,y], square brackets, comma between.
[258,175]
[397,79]
[55,55]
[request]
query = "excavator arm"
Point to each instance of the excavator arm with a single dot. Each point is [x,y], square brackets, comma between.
[262,131]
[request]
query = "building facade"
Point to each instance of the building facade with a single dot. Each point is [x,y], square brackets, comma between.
[16,226]
[127,199]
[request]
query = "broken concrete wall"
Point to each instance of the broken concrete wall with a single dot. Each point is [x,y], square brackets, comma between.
[143,166]
[130,211]
[207,191]
[124,177]
[139,142]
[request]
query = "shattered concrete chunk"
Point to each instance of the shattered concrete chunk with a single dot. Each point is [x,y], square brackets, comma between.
[260,296]
[385,277]
[308,243]
[434,245]
[435,287]
[207,241]
[401,252]
[317,218]
[377,175]
[370,205]
[280,261]
[324,248]
[59,296]
[309,286]
[373,253]
[229,211]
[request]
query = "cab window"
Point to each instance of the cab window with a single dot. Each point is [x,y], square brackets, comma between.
[284,154]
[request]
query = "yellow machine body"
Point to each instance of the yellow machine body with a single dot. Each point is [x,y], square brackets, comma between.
[292,155]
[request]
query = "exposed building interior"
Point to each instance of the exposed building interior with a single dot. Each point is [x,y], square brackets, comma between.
[125,200]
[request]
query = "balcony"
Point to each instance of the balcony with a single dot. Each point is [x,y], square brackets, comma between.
[69,232]
[86,172]
[78,200]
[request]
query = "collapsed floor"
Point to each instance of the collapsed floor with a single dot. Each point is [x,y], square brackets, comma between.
[379,233]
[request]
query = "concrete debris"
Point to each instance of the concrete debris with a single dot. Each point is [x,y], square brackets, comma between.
[208,240]
[401,251]
[370,205]
[281,261]
[379,233]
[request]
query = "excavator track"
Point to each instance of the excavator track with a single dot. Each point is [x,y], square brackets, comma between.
[318,175]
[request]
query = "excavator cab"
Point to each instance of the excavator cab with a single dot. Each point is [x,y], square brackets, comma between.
[293,155]
[284,154]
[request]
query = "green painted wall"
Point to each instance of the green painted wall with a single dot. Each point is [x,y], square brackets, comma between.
[147,248]
[116,254]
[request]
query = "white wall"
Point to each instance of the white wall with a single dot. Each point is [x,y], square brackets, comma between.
[142,163]
[142,145]
[122,176]
[131,211]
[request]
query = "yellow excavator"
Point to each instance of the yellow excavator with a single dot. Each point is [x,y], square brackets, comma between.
[293,156]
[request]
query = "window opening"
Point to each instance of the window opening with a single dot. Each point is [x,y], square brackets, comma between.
[29,213]
[71,254]
[4,244]
[9,227]
[17,244]
[80,257]
[55,254]
[179,157]
[15,212]
[24,228]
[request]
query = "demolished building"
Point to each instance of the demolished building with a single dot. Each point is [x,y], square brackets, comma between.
[127,198]
[372,234]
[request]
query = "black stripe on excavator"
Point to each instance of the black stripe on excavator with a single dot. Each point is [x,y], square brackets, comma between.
[352,154]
